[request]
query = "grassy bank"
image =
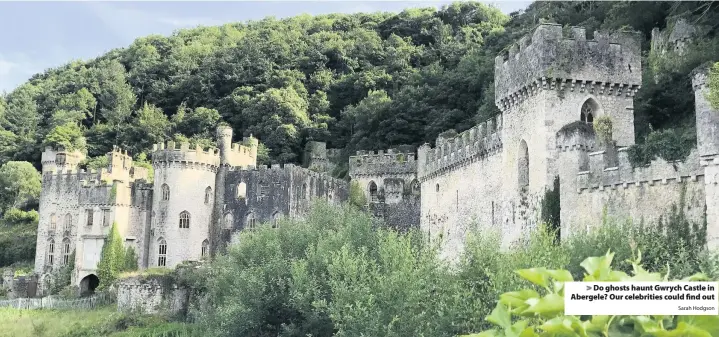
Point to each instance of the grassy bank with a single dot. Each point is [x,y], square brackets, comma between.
[76,323]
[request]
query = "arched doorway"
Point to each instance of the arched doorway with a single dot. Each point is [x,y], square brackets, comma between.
[372,191]
[88,285]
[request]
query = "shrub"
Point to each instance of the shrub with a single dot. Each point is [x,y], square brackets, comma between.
[130,259]
[357,197]
[670,145]
[540,309]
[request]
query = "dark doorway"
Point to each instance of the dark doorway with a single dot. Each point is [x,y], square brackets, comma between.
[88,285]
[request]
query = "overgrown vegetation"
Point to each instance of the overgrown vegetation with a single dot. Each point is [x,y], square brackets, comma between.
[335,273]
[112,259]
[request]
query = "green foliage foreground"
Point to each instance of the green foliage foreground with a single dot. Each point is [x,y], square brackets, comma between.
[337,273]
[543,315]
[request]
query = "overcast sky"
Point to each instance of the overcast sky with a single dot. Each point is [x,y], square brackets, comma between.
[39,35]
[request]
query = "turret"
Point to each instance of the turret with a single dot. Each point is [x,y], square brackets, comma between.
[252,143]
[61,160]
[224,142]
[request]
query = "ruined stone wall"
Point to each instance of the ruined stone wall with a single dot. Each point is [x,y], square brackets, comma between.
[268,193]
[150,296]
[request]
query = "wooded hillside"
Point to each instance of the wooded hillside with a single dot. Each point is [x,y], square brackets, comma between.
[361,81]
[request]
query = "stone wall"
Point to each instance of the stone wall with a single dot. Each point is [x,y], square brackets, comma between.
[150,295]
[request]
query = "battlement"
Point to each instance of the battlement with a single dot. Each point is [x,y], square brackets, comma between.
[481,141]
[54,160]
[181,152]
[245,153]
[549,55]
[393,161]
[576,136]
[605,171]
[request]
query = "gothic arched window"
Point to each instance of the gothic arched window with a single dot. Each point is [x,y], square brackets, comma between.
[185,219]
[65,251]
[51,252]
[208,195]
[589,111]
[68,222]
[205,248]
[165,192]
[162,253]
[275,220]
[53,222]
[372,191]
[228,220]
[251,221]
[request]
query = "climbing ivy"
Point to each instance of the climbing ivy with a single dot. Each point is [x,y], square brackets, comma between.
[551,209]
[714,86]
[112,258]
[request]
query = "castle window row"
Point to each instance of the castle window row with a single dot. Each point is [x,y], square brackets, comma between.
[162,251]
[51,252]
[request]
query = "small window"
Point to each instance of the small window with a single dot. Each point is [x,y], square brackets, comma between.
[208,195]
[53,222]
[415,187]
[105,217]
[276,220]
[205,248]
[304,191]
[165,192]
[68,222]
[241,190]
[264,189]
[437,187]
[184,219]
[251,221]
[51,252]
[65,251]
[90,213]
[162,253]
[372,191]
[228,220]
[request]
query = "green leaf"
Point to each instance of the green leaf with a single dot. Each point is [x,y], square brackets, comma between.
[697,277]
[537,276]
[518,299]
[547,306]
[708,323]
[684,330]
[500,317]
[560,275]
[559,326]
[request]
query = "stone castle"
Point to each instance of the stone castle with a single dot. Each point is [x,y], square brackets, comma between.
[550,87]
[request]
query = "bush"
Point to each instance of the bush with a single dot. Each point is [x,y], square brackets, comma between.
[670,145]
[334,274]
[112,259]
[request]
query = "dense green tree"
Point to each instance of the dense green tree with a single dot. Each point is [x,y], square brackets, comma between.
[68,136]
[20,185]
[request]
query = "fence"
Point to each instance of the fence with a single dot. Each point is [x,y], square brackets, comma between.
[52,302]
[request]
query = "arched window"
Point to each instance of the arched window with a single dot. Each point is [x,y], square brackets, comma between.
[523,165]
[241,190]
[165,192]
[51,252]
[65,251]
[205,248]
[372,191]
[208,195]
[436,188]
[229,219]
[590,110]
[250,221]
[67,226]
[276,219]
[185,219]
[53,222]
[162,253]
[304,191]
[415,187]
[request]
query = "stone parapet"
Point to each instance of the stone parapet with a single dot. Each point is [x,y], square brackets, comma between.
[604,64]
[391,161]
[476,143]
[181,152]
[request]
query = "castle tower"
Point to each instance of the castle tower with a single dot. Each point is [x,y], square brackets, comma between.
[224,142]
[708,146]
[183,202]
[550,79]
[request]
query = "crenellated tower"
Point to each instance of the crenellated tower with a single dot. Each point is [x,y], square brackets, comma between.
[707,118]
